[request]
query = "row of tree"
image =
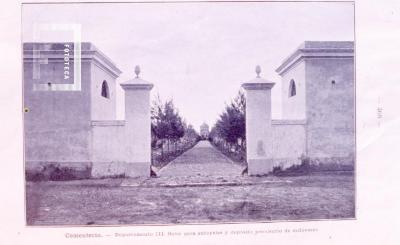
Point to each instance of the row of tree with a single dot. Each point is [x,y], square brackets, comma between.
[229,131]
[171,134]
[169,130]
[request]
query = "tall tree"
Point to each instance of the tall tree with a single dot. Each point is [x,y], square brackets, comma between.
[231,126]
[167,125]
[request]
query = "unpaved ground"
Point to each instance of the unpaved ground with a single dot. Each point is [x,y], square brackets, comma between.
[202,160]
[157,201]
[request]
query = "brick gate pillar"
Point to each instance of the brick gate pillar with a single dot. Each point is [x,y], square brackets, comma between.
[137,126]
[258,125]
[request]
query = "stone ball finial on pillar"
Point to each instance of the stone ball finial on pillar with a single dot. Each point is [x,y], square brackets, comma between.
[259,151]
[137,71]
[258,70]
[137,128]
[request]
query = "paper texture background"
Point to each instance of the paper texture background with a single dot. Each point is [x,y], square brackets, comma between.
[377,168]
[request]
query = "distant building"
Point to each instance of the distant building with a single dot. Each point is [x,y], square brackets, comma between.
[204,130]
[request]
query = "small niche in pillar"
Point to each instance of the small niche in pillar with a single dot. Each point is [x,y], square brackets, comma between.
[258,125]
[137,126]
[260,148]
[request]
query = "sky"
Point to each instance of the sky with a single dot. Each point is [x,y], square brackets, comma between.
[198,54]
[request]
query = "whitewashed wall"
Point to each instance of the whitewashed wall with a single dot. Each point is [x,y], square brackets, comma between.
[289,142]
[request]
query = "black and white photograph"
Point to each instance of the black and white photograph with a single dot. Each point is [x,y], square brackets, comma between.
[199,122]
[188,113]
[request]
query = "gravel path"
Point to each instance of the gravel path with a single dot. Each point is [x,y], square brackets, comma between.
[202,160]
